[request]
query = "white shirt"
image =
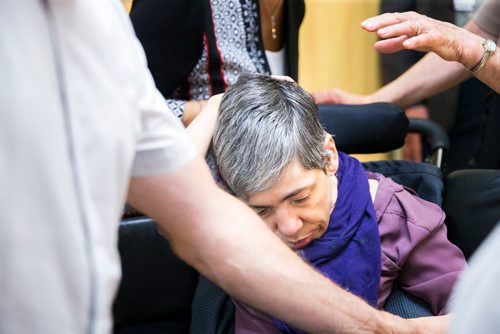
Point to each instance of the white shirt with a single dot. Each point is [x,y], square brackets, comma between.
[474,308]
[276,61]
[66,156]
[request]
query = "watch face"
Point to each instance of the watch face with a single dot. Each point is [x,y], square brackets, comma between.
[489,45]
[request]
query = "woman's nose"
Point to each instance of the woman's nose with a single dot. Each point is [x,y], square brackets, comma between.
[288,223]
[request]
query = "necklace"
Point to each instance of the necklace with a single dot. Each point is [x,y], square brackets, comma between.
[274,31]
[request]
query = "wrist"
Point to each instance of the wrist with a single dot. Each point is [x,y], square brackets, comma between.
[389,323]
[384,94]
[470,49]
[488,47]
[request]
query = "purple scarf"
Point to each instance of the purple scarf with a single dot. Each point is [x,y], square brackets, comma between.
[349,251]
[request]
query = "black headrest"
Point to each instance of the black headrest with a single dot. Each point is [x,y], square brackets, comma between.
[365,128]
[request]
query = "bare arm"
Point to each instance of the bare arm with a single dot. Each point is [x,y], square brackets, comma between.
[228,243]
[202,128]
[451,49]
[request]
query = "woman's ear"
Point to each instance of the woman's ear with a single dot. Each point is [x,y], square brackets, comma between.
[333,158]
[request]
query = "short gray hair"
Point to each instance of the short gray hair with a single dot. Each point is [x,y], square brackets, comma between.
[264,124]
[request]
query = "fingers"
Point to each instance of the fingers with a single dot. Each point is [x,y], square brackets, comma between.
[399,31]
[408,28]
[419,43]
[282,77]
[419,28]
[381,21]
[329,96]
[323,97]
[413,31]
[338,96]
[391,45]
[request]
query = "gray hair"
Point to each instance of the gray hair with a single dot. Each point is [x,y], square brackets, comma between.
[264,124]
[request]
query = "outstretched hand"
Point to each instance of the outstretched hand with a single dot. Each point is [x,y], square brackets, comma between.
[413,31]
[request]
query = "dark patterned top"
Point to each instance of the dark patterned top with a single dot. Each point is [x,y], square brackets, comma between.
[231,44]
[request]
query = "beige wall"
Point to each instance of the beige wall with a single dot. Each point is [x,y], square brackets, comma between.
[127,4]
[336,52]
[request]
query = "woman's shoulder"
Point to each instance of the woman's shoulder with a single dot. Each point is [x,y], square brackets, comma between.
[396,204]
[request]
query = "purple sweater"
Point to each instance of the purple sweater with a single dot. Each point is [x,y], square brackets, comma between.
[415,252]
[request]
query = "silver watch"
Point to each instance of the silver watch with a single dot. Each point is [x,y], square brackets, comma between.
[489,47]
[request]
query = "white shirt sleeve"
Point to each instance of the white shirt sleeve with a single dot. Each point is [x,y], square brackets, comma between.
[162,142]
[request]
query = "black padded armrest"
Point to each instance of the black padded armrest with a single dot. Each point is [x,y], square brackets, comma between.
[436,134]
[437,137]
[365,128]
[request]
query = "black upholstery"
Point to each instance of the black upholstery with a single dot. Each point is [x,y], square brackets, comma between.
[472,206]
[367,128]
[436,135]
[212,309]
[157,287]
[426,179]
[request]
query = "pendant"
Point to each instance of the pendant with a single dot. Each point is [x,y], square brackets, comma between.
[273,28]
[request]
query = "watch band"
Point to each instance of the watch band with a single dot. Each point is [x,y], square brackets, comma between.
[489,47]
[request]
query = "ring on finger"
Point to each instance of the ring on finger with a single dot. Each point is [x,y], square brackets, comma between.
[418,28]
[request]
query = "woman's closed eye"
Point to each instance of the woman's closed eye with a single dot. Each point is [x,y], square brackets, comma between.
[262,212]
[300,200]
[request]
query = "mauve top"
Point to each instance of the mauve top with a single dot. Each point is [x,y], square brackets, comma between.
[415,251]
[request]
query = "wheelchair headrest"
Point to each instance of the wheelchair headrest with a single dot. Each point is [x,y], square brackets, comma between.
[365,128]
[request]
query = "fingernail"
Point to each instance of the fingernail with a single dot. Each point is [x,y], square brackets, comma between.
[367,24]
[382,31]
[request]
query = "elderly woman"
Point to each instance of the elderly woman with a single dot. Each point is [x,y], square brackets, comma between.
[362,230]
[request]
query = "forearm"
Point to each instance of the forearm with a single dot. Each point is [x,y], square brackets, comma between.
[201,129]
[431,75]
[227,242]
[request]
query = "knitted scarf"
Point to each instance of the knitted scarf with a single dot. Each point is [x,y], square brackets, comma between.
[349,251]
